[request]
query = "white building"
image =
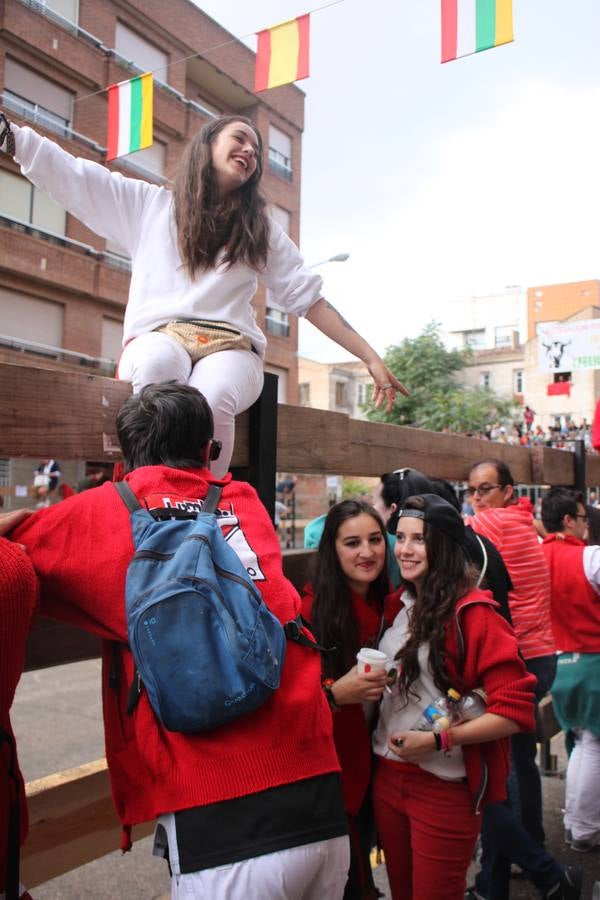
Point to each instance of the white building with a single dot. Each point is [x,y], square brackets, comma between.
[487,322]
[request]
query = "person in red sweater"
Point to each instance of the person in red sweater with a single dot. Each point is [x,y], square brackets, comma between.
[250,809]
[347,609]
[18,599]
[575,576]
[447,634]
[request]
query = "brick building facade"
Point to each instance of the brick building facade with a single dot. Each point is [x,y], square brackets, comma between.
[61,286]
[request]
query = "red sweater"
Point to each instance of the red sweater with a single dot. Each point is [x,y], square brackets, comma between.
[80,549]
[575,605]
[490,659]
[351,732]
[18,597]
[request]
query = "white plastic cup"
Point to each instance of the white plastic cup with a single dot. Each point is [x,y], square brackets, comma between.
[370,660]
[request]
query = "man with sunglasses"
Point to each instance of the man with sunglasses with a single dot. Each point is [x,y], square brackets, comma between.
[575,577]
[508,522]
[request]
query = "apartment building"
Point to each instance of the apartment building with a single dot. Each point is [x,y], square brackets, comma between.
[63,289]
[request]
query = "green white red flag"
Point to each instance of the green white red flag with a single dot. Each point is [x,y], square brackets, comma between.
[469,26]
[129,116]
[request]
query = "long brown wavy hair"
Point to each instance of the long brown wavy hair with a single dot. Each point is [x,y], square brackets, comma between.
[331,613]
[449,578]
[206,222]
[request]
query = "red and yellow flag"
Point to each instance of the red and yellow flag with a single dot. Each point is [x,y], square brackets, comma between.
[282,53]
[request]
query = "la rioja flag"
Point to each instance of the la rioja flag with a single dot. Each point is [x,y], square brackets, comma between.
[129,116]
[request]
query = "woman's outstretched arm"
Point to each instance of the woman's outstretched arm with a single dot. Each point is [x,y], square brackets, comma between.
[327,319]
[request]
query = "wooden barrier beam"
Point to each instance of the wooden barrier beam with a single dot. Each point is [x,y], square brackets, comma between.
[72,821]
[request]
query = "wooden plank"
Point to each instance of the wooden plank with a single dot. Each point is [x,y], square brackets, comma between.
[69,415]
[312,440]
[52,643]
[71,822]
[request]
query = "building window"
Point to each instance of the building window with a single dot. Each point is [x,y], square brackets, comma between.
[24,318]
[20,200]
[282,383]
[140,52]
[518,381]
[151,159]
[503,335]
[304,393]
[361,392]
[484,379]
[341,393]
[112,339]
[475,339]
[282,217]
[559,377]
[277,322]
[37,99]
[280,153]
[68,9]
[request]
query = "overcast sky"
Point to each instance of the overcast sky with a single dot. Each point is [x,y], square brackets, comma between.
[441,181]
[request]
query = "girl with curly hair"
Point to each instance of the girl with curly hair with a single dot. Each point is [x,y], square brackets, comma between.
[429,788]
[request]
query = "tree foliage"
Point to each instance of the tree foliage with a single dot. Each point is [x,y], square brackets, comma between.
[437,400]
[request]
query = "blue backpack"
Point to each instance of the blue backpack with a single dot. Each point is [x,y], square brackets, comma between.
[206,647]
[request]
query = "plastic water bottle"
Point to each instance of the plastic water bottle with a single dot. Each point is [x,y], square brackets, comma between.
[439,715]
[471,706]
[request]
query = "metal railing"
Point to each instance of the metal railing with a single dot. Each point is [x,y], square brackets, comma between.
[280,164]
[64,23]
[112,259]
[23,345]
[37,114]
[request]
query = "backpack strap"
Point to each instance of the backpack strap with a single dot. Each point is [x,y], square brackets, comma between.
[127,496]
[212,498]
[293,632]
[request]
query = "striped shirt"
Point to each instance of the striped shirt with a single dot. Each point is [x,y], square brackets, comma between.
[511,529]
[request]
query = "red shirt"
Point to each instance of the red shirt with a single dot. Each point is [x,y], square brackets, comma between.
[575,604]
[511,530]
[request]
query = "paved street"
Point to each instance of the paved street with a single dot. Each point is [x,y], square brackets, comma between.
[58,722]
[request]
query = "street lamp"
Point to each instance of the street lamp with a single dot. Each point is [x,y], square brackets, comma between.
[339,257]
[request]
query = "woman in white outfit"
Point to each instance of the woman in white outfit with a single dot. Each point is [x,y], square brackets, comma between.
[197,252]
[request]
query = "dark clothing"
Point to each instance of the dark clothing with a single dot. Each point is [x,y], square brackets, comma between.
[496,577]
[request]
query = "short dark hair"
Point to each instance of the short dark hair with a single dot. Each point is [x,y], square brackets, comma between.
[503,473]
[558,503]
[166,424]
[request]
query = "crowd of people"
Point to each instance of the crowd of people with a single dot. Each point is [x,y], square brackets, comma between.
[286,802]
[561,434]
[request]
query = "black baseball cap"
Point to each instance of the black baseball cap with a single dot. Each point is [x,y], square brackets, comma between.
[437,512]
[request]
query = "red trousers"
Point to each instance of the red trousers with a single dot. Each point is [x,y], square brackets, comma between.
[427,828]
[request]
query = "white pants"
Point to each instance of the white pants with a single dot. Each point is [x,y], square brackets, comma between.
[582,801]
[231,380]
[316,871]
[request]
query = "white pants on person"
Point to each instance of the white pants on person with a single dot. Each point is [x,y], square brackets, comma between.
[231,380]
[582,793]
[316,871]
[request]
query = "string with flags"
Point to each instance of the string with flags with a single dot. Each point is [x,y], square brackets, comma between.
[283,57]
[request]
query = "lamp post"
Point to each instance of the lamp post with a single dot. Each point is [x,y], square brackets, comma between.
[339,257]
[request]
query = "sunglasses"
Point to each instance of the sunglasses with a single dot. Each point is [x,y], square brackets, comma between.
[482,490]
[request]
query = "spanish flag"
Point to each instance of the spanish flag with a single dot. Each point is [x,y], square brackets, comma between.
[129,116]
[469,26]
[282,53]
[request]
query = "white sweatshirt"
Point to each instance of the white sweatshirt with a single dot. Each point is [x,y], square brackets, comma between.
[138,216]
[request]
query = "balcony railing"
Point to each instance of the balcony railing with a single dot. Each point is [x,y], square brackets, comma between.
[277,327]
[23,345]
[38,115]
[280,164]
[112,259]
[64,23]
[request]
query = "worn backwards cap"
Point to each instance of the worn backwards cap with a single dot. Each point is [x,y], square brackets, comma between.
[438,513]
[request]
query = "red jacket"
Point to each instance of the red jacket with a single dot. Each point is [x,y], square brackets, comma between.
[351,732]
[81,549]
[489,658]
[18,597]
[575,605]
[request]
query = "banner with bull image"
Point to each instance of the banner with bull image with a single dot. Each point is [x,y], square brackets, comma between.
[569,347]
